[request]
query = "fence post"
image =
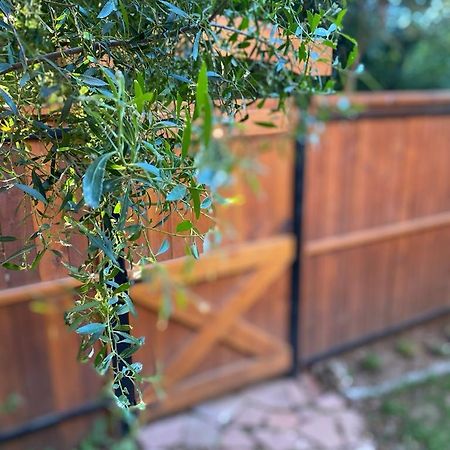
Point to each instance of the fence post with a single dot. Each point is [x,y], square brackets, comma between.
[295,307]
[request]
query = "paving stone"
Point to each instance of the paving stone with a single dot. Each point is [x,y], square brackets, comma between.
[352,425]
[304,444]
[164,433]
[323,430]
[330,402]
[277,440]
[201,434]
[309,384]
[283,420]
[236,439]
[278,394]
[250,416]
[287,414]
[221,411]
[366,444]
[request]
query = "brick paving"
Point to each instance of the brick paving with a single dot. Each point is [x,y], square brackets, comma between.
[285,414]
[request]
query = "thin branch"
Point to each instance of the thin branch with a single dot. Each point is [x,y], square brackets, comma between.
[53,56]
[218,10]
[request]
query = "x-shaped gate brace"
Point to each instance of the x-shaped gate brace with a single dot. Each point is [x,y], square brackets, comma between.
[261,263]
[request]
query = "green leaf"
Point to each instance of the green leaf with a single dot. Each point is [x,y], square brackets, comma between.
[91,328]
[314,20]
[12,266]
[195,195]
[177,193]
[206,203]
[9,101]
[84,306]
[265,124]
[194,250]
[93,81]
[207,120]
[93,181]
[352,56]
[140,98]
[163,248]
[22,251]
[175,9]
[31,192]
[194,54]
[104,244]
[186,138]
[129,304]
[185,225]
[202,89]
[107,9]
[5,7]
[7,238]
[150,168]
[340,17]
[124,14]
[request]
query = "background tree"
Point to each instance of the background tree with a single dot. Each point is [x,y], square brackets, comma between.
[403,43]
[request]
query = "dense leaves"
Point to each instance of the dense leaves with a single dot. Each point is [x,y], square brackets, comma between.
[126,95]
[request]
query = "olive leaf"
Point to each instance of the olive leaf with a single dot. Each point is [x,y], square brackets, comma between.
[93,181]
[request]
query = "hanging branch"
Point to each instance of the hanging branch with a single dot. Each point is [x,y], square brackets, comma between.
[141,146]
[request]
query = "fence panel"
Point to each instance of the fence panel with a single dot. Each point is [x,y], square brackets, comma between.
[376,250]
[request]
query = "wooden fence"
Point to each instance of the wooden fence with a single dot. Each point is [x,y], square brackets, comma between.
[375,253]
[376,223]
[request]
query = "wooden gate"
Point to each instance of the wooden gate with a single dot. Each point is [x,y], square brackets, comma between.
[216,320]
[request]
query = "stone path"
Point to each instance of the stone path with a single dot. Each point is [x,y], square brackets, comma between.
[285,414]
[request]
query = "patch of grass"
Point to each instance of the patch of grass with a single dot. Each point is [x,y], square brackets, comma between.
[415,417]
[406,348]
[371,362]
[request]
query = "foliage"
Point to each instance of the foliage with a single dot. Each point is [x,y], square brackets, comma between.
[402,43]
[412,417]
[371,362]
[126,95]
[101,437]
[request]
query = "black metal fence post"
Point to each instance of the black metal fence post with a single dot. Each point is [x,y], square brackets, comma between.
[295,309]
[125,383]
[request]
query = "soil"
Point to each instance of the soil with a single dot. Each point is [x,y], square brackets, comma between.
[388,358]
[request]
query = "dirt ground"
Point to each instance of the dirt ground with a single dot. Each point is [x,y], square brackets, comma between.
[412,416]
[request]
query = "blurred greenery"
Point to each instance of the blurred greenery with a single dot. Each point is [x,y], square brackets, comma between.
[371,362]
[412,418]
[404,44]
[102,437]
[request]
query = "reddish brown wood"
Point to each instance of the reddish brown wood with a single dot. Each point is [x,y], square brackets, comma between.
[376,220]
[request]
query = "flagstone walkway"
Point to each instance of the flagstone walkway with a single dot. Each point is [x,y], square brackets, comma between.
[285,414]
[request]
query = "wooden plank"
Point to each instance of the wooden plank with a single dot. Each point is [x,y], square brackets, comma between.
[37,291]
[227,261]
[222,262]
[243,336]
[388,99]
[382,233]
[216,382]
[196,349]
